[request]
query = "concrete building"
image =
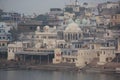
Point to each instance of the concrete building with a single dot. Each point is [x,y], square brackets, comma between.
[5,38]
[107,55]
[11,16]
[79,40]
[108,8]
[13,48]
[115,20]
[85,56]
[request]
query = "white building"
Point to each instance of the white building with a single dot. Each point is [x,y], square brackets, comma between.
[14,47]
[85,56]
[46,39]
[107,55]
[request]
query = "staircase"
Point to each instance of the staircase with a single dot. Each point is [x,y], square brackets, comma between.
[117,58]
[93,63]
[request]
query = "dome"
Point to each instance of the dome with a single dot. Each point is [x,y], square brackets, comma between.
[70,21]
[73,27]
[85,21]
[38,28]
[46,28]
[78,21]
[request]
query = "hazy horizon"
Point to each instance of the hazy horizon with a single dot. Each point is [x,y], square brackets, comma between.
[38,6]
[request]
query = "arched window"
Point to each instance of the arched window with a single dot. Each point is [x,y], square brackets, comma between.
[65,37]
[68,36]
[78,46]
[76,36]
[71,36]
[79,35]
[68,53]
[75,45]
[61,45]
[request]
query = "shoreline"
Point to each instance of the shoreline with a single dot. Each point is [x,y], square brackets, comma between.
[63,68]
[14,65]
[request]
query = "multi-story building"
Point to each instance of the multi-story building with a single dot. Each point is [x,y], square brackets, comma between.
[115,19]
[79,41]
[108,8]
[11,16]
[5,38]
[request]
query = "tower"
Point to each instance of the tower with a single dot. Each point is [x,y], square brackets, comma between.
[76,2]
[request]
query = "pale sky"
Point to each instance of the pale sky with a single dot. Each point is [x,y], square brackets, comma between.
[37,6]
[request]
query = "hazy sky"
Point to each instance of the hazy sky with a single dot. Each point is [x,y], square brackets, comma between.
[37,6]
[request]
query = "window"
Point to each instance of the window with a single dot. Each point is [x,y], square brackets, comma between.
[3,37]
[8,37]
[104,52]
[37,36]
[79,35]
[3,44]
[61,53]
[76,36]
[73,60]
[107,34]
[32,36]
[92,46]
[9,50]
[31,28]
[65,52]
[68,53]
[68,36]
[61,45]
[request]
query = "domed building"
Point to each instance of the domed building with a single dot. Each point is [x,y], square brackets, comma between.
[46,28]
[73,32]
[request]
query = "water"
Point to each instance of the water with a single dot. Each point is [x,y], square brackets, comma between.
[54,75]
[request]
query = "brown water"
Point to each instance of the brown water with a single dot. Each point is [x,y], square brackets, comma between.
[54,75]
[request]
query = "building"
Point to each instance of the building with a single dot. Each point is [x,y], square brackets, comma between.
[80,40]
[108,8]
[115,20]
[5,38]
[55,11]
[39,47]
[12,48]
[29,26]
[107,55]
[11,16]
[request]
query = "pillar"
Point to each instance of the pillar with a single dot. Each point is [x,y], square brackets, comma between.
[40,59]
[31,58]
[48,58]
[24,57]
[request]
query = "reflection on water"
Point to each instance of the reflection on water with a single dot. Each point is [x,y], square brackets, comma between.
[54,75]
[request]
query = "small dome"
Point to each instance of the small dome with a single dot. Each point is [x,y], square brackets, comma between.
[70,21]
[78,21]
[85,21]
[54,27]
[46,28]
[38,28]
[73,27]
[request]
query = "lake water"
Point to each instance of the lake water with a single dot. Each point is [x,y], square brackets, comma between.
[54,75]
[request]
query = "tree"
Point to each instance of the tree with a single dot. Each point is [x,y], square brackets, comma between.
[14,33]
